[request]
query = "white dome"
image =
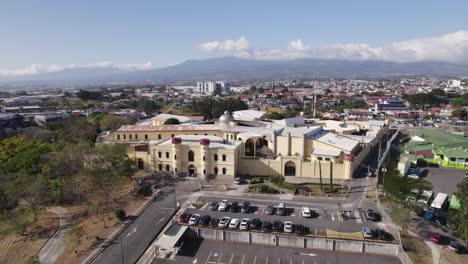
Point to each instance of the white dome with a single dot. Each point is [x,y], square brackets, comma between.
[226,118]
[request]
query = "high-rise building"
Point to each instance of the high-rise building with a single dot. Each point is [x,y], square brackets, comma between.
[213,86]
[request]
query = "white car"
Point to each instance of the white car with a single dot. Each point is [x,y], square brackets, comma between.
[224,222]
[194,219]
[413,176]
[306,212]
[234,223]
[223,205]
[288,227]
[245,224]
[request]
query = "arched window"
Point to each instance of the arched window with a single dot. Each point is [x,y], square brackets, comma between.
[224,171]
[141,164]
[168,168]
[160,166]
[175,170]
[175,157]
[125,136]
[204,158]
[224,157]
[136,136]
[232,136]
[130,136]
[159,136]
[167,155]
[216,157]
[118,137]
[204,171]
[215,170]
[146,136]
[159,154]
[191,156]
[290,169]
[249,147]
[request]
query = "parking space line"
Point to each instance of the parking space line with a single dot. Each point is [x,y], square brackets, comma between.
[208,258]
[232,256]
[243,258]
[279,260]
[364,220]
[255,259]
[358,217]
[266,262]
[220,256]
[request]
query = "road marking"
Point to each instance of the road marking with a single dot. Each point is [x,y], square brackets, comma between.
[266,262]
[232,256]
[358,217]
[208,258]
[220,256]
[364,219]
[290,260]
[243,258]
[204,206]
[255,259]
[160,220]
[279,260]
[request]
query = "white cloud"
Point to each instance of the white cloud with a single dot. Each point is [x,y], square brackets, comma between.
[451,47]
[240,45]
[40,68]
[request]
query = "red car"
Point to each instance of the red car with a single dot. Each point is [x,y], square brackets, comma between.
[184,218]
[436,238]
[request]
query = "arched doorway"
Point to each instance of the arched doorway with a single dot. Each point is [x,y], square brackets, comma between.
[249,147]
[192,172]
[289,169]
[141,164]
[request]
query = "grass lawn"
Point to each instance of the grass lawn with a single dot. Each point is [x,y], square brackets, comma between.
[314,188]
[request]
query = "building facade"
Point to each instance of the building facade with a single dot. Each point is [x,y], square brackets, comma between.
[213,86]
[235,147]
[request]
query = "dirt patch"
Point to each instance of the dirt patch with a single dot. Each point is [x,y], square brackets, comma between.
[417,250]
[13,247]
[95,232]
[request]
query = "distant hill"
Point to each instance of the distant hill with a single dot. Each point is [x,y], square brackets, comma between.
[229,68]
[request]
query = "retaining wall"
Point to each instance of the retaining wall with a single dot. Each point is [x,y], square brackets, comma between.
[284,240]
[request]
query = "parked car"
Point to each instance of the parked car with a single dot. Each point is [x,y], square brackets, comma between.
[367,232]
[224,222]
[371,215]
[234,223]
[223,205]
[306,212]
[281,210]
[270,210]
[245,224]
[256,224]
[214,206]
[277,226]
[194,220]
[266,226]
[205,220]
[437,238]
[382,234]
[299,229]
[288,227]
[214,222]
[454,246]
[245,207]
[237,180]
[234,207]
[183,218]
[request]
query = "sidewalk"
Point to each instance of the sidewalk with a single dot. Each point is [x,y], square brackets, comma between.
[55,247]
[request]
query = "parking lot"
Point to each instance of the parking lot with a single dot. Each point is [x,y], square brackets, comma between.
[323,219]
[444,180]
[219,252]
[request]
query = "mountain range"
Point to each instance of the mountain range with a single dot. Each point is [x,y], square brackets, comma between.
[237,69]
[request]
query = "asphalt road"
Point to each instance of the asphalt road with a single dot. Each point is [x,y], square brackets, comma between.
[444,180]
[134,240]
[213,252]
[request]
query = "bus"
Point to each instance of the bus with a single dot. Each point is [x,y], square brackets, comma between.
[440,201]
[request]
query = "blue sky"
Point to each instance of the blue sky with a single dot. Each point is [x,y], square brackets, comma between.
[166,32]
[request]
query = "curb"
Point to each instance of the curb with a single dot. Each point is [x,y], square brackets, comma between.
[98,251]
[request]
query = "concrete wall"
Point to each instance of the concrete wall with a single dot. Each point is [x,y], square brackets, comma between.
[320,243]
[349,245]
[295,241]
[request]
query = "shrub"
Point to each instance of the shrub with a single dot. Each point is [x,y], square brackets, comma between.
[120,214]
[145,191]
[263,188]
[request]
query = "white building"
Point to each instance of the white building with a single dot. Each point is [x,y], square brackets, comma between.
[454,83]
[213,86]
